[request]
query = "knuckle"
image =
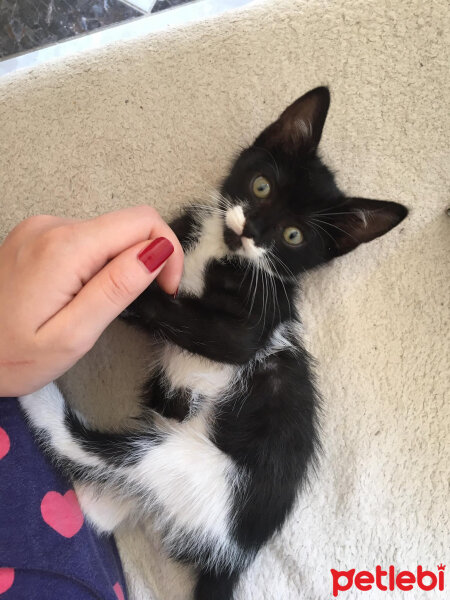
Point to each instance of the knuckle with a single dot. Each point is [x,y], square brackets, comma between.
[52,241]
[71,343]
[80,346]
[31,224]
[117,287]
[148,212]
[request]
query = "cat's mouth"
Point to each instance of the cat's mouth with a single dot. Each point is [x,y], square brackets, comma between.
[234,234]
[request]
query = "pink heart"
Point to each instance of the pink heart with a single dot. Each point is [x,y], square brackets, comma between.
[4,443]
[118,589]
[6,579]
[62,513]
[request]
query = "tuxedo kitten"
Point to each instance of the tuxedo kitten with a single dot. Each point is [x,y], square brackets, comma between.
[230,425]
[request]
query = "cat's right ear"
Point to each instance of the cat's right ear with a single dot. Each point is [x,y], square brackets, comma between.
[299,128]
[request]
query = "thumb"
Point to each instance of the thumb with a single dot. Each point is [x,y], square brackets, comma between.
[108,293]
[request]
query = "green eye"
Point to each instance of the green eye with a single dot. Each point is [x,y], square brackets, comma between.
[293,236]
[261,187]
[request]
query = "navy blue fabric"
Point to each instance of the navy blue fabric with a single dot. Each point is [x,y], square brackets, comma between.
[47,565]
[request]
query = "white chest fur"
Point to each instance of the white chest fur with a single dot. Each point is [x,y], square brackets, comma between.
[210,245]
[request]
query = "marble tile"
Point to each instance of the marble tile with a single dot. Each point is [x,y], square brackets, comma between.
[162,20]
[28,24]
[163,4]
[144,5]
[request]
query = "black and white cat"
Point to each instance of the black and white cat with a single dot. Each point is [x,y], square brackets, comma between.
[230,426]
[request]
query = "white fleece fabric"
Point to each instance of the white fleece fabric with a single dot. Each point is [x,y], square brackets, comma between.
[157,120]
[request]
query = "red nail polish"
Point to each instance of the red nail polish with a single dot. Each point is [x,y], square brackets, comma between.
[156,253]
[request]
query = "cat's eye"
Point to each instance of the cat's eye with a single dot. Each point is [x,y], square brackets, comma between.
[293,236]
[261,187]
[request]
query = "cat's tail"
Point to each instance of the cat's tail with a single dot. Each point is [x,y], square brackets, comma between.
[67,438]
[216,586]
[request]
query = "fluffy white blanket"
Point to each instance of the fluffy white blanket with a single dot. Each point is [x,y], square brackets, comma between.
[156,121]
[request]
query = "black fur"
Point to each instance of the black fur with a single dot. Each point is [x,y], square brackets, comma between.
[214,586]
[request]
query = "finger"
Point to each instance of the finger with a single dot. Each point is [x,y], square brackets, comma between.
[106,295]
[104,237]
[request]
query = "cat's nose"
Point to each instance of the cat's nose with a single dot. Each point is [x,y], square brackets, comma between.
[252,229]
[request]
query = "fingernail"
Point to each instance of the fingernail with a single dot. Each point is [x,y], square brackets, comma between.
[156,253]
[176,294]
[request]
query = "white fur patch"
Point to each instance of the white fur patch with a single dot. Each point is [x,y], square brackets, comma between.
[278,341]
[235,219]
[197,373]
[191,480]
[250,249]
[210,245]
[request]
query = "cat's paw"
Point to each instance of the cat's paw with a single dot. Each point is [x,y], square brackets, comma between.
[105,511]
[129,314]
[142,312]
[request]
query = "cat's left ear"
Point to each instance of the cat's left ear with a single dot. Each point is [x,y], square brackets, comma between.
[299,128]
[357,221]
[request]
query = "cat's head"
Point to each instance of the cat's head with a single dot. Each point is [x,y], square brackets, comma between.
[282,202]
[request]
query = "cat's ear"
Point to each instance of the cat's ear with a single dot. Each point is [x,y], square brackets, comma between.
[299,128]
[358,221]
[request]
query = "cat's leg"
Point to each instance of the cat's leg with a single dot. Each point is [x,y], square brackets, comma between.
[218,332]
[216,586]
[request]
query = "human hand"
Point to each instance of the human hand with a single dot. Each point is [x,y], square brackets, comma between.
[63,281]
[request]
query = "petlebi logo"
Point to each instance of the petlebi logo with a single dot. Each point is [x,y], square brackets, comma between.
[388,580]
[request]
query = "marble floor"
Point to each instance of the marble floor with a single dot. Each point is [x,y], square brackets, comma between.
[31,24]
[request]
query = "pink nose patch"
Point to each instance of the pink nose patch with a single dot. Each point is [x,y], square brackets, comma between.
[62,513]
[4,443]
[6,579]
[118,589]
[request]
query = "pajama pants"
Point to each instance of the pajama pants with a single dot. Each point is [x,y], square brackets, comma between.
[47,550]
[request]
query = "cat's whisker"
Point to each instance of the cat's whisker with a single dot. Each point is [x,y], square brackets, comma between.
[266,297]
[313,227]
[270,281]
[250,289]
[284,266]
[210,208]
[332,214]
[247,268]
[273,286]
[256,272]
[267,281]
[262,315]
[336,227]
[271,257]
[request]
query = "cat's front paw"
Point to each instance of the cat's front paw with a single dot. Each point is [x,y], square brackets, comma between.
[142,311]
